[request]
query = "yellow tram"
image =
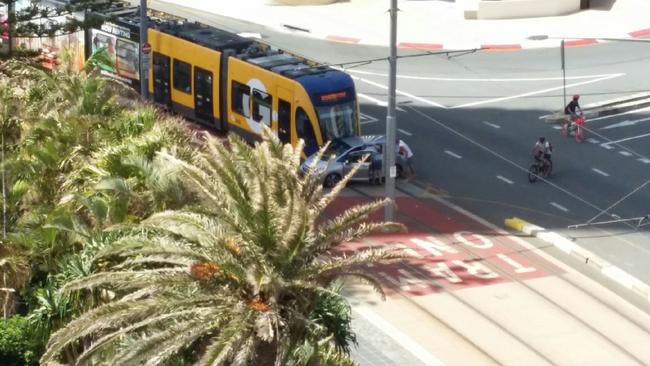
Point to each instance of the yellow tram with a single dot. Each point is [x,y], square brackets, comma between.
[237,84]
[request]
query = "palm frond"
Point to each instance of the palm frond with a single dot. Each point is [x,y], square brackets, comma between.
[130,279]
[336,190]
[351,234]
[163,343]
[330,267]
[113,336]
[222,347]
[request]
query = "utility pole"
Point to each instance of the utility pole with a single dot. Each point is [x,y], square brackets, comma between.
[145,50]
[391,121]
[11,19]
[563,74]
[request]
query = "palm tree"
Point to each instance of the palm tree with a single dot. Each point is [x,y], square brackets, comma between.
[236,280]
[14,266]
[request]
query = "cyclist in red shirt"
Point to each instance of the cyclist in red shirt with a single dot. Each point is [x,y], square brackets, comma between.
[571,110]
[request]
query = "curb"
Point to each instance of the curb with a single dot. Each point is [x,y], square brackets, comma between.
[608,107]
[404,44]
[568,246]
[425,45]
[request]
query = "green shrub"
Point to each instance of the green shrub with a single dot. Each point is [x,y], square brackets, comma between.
[18,346]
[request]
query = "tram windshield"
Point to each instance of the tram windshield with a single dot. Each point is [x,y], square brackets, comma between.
[338,120]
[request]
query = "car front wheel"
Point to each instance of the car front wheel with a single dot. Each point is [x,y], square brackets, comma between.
[331,180]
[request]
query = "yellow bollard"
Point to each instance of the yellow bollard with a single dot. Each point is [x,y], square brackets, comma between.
[516,223]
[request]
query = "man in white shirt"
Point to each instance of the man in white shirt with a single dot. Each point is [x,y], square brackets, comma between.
[404,150]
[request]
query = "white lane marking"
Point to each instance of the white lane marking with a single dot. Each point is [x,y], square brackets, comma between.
[557,127]
[414,97]
[625,153]
[380,103]
[367,119]
[600,172]
[626,123]
[606,146]
[453,154]
[405,132]
[559,207]
[491,124]
[593,140]
[625,139]
[505,179]
[374,100]
[404,340]
[644,160]
[250,35]
[471,104]
[357,71]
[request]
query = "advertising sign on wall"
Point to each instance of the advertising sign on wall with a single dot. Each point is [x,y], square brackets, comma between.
[123,52]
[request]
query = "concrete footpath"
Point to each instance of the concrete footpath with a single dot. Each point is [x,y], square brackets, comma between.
[433,24]
[473,294]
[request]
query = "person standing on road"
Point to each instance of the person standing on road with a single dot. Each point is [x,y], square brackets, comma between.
[406,152]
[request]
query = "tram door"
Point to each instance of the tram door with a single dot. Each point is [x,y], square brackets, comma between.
[161,76]
[203,102]
[284,116]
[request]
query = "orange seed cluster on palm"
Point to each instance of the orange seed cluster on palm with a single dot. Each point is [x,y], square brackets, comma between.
[258,304]
[203,271]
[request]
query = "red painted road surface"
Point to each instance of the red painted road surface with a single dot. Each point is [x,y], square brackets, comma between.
[449,251]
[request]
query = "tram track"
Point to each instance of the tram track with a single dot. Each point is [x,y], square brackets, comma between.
[544,357]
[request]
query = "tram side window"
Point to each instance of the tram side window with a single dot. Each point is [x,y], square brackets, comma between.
[262,107]
[241,94]
[182,76]
[306,131]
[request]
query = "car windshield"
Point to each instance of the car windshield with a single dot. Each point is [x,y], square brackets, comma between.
[335,148]
[338,120]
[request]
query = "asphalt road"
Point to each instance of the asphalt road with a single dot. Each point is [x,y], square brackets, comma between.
[472,118]
[477,148]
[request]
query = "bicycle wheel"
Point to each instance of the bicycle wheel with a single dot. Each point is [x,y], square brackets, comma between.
[565,129]
[532,173]
[580,134]
[549,168]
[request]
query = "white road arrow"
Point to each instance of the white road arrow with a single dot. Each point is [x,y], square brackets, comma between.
[626,123]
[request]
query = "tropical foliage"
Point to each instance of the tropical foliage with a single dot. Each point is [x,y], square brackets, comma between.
[17,347]
[130,241]
[68,144]
[238,278]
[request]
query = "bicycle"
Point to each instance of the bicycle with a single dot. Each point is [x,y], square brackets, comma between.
[540,170]
[576,127]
